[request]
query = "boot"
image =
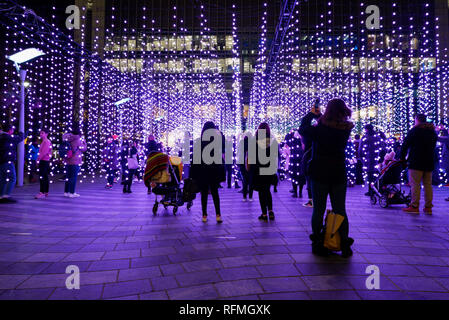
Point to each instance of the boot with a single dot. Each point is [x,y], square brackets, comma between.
[318,248]
[346,251]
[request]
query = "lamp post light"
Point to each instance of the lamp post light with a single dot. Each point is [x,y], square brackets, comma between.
[118,104]
[18,59]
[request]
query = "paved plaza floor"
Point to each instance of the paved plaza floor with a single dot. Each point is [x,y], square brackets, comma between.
[124,252]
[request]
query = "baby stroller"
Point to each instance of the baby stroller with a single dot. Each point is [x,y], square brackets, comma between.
[387,189]
[166,173]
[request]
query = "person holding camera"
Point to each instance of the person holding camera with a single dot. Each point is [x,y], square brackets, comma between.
[327,169]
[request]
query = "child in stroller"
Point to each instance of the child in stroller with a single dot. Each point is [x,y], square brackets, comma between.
[387,189]
[164,174]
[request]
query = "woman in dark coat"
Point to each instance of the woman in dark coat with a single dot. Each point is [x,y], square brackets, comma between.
[295,168]
[209,176]
[370,150]
[327,169]
[245,170]
[111,161]
[264,177]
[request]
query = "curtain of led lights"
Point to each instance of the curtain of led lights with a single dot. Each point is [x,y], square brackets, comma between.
[386,75]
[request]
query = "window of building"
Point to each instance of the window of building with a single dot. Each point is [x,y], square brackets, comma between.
[229,43]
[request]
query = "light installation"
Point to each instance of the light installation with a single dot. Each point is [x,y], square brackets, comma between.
[174,75]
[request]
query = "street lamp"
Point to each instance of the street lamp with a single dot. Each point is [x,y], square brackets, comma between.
[19,58]
[118,104]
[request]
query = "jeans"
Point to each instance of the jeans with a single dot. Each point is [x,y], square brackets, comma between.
[266,200]
[129,179]
[228,168]
[337,193]
[44,170]
[110,174]
[415,178]
[247,182]
[309,187]
[215,197]
[71,177]
[7,178]
[33,167]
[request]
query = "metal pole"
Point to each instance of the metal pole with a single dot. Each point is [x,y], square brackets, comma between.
[21,146]
[121,124]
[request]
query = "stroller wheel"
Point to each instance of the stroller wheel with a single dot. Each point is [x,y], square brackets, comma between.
[383,202]
[373,200]
[189,205]
[155,207]
[175,210]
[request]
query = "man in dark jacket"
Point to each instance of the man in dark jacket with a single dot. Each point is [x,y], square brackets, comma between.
[8,157]
[420,145]
[151,146]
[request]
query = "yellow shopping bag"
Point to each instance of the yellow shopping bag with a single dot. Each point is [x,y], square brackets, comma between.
[332,240]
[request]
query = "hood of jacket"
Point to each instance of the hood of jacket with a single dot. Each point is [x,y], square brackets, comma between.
[344,125]
[426,126]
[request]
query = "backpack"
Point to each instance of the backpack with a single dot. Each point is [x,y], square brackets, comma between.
[65,150]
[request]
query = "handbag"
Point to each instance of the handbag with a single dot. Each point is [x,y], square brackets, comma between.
[133,163]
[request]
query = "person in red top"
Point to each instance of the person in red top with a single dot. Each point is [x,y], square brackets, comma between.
[43,160]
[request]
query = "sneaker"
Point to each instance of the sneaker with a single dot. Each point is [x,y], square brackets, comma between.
[204,219]
[219,220]
[428,211]
[251,200]
[411,210]
[74,195]
[108,186]
[308,204]
[263,217]
[67,195]
[40,196]
[245,200]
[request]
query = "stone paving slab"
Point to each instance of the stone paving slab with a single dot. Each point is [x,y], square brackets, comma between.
[125,253]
